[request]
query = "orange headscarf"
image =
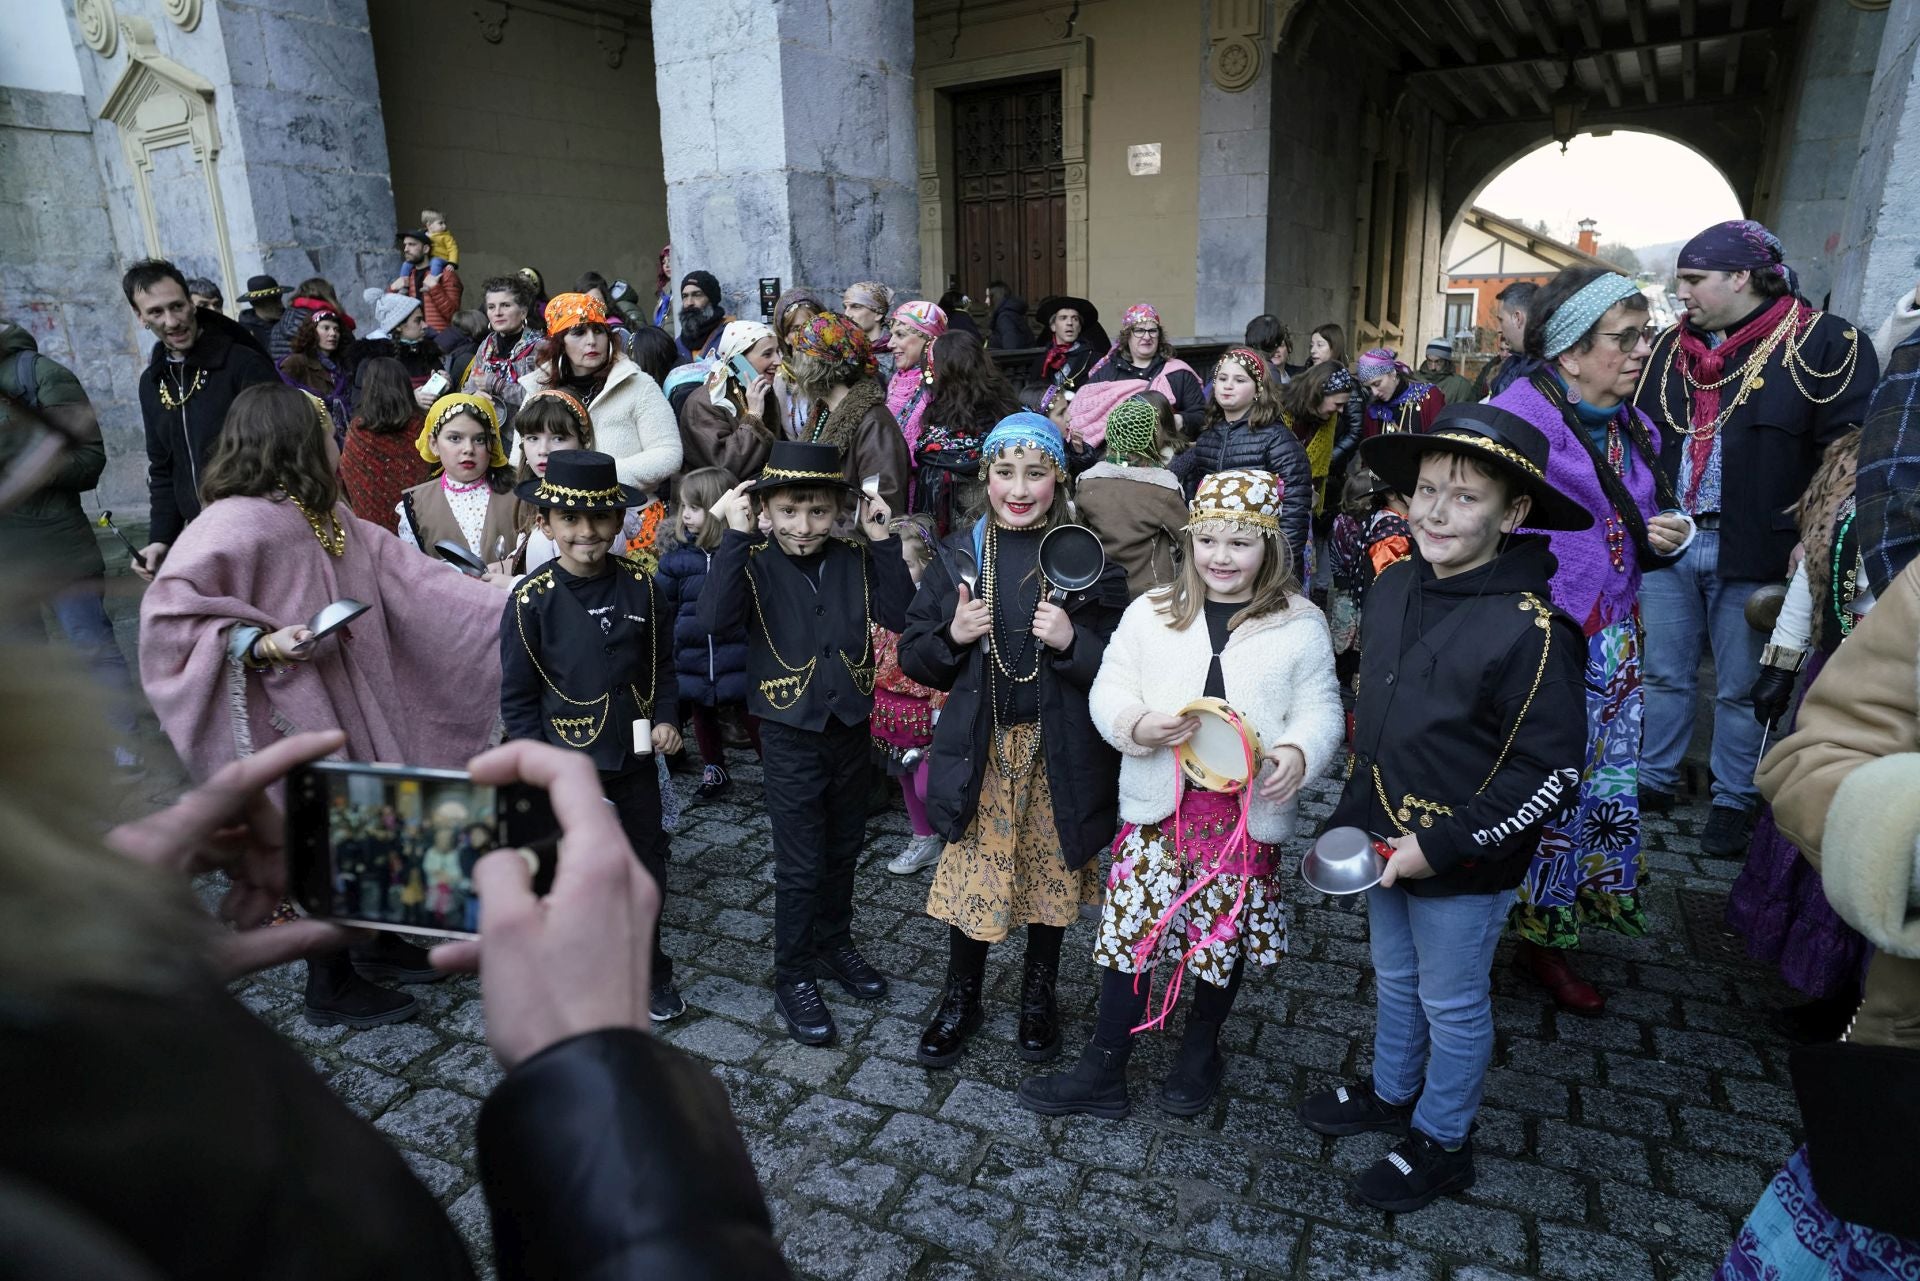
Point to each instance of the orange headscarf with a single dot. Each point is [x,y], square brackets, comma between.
[564,311]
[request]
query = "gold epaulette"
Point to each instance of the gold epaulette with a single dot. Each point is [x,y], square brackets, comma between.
[541,580]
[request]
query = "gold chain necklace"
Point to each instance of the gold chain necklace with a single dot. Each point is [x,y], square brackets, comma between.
[583,731]
[334,544]
[174,399]
[782,692]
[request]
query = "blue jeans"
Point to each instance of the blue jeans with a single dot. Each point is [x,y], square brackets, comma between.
[1434,1037]
[82,614]
[1684,608]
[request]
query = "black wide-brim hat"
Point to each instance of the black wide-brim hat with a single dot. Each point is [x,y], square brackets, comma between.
[1498,438]
[579,480]
[799,462]
[264,287]
[1089,314]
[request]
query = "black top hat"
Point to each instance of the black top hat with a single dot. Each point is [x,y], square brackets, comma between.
[1497,437]
[579,480]
[414,233]
[264,287]
[798,462]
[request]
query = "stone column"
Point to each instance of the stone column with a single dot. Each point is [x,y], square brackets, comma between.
[787,139]
[1879,255]
[1236,161]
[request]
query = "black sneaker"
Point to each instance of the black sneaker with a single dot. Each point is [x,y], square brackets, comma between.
[1413,1174]
[853,972]
[1655,801]
[388,958]
[356,1002]
[667,1003]
[807,1018]
[1727,831]
[1353,1109]
[714,782]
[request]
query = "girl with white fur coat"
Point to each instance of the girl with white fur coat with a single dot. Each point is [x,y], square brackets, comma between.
[1195,878]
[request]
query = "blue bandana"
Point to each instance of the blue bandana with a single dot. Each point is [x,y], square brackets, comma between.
[1580,313]
[1027,430]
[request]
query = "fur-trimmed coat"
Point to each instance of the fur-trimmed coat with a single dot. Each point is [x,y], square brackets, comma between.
[1138,513]
[1279,676]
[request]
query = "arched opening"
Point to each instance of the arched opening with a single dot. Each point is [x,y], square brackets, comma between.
[1629,198]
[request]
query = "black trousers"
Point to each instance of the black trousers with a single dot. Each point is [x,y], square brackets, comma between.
[636,797]
[816,790]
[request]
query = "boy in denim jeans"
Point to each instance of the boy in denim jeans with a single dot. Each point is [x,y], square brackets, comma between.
[1469,734]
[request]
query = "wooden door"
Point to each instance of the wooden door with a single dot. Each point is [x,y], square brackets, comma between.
[1011,189]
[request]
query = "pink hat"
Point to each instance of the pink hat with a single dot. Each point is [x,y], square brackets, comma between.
[924,317]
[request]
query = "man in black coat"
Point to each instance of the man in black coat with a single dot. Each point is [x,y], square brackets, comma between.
[266,304]
[1747,392]
[200,362]
[1007,328]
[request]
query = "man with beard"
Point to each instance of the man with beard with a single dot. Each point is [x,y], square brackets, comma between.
[439,296]
[201,361]
[510,349]
[1438,369]
[701,317]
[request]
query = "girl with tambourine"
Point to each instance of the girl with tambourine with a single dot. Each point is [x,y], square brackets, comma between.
[1195,879]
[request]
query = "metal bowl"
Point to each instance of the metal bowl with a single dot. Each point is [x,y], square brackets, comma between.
[457,555]
[1763,607]
[1343,861]
[336,616]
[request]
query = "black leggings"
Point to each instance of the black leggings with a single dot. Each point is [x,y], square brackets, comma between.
[967,957]
[1122,1008]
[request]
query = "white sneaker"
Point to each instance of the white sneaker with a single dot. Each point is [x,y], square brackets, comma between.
[921,851]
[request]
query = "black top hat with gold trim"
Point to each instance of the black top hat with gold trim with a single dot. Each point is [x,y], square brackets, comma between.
[580,480]
[799,462]
[1496,437]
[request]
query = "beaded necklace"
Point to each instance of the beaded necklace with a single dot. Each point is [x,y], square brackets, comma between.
[1843,586]
[1000,676]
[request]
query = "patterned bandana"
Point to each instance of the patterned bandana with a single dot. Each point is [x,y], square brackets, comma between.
[922,317]
[1338,381]
[1243,499]
[1248,359]
[564,311]
[1140,316]
[449,405]
[1374,362]
[739,336]
[1025,429]
[1739,245]
[574,407]
[832,338]
[1573,318]
[869,293]
[1133,427]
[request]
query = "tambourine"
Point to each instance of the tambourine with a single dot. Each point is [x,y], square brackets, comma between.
[1224,753]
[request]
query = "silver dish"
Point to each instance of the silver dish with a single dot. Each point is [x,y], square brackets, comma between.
[1342,861]
[332,618]
[457,555]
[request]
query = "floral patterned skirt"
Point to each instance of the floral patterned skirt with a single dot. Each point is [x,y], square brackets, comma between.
[1588,868]
[1148,874]
[1007,869]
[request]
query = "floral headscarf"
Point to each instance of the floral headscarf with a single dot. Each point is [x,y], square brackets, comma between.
[834,340]
[449,405]
[564,311]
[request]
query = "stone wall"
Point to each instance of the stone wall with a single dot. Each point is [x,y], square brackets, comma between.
[1878,257]
[1236,161]
[1821,142]
[787,135]
[541,147]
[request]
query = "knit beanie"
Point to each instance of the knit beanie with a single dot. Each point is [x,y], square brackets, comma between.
[390,312]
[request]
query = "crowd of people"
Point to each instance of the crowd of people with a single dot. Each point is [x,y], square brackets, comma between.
[1481,603]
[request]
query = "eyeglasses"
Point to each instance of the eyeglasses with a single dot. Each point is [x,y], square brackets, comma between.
[1629,339]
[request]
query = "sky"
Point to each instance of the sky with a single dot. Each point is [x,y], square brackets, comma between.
[1641,189]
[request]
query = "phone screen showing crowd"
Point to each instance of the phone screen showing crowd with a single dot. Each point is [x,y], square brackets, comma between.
[403,849]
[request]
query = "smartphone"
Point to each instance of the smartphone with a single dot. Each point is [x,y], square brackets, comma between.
[392,847]
[437,384]
[743,370]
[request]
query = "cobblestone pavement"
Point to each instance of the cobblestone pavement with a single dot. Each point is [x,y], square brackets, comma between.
[1612,1149]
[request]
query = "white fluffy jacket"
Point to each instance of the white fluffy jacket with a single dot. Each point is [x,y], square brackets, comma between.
[633,421]
[1279,675]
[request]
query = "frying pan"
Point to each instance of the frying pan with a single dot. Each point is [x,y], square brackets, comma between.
[457,555]
[332,618]
[1071,559]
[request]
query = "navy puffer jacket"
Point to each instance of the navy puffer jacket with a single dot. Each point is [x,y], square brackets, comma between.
[712,669]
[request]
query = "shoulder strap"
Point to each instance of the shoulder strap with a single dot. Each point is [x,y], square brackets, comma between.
[413,519]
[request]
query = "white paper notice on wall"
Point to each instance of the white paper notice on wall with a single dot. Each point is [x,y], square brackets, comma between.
[1143,159]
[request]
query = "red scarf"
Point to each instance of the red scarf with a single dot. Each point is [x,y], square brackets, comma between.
[1055,358]
[1708,365]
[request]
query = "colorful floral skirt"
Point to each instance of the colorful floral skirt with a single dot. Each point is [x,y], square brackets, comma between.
[1792,1236]
[1148,874]
[1007,869]
[1588,868]
[1779,906]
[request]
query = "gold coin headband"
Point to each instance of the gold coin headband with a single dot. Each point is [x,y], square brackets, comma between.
[568,496]
[567,398]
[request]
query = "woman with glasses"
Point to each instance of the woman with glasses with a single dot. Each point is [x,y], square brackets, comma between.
[1588,332]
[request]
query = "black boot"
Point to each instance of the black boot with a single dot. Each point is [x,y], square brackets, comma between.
[1196,1074]
[387,956]
[958,1018]
[337,995]
[1097,1086]
[1039,1012]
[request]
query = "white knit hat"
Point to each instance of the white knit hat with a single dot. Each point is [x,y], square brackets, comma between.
[390,312]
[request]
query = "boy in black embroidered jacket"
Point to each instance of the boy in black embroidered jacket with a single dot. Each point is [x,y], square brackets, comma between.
[586,660]
[1469,733]
[808,601]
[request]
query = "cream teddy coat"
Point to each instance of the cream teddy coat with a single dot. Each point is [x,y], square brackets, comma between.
[632,420]
[1279,676]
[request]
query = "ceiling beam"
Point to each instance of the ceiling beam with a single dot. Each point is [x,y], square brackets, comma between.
[1649,68]
[1450,103]
[1590,32]
[1609,119]
[1730,78]
[1614,42]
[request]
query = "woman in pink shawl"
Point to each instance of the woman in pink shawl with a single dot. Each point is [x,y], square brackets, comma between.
[230,666]
[910,389]
[1141,360]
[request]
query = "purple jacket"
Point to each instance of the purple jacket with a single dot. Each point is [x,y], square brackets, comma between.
[1586,586]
